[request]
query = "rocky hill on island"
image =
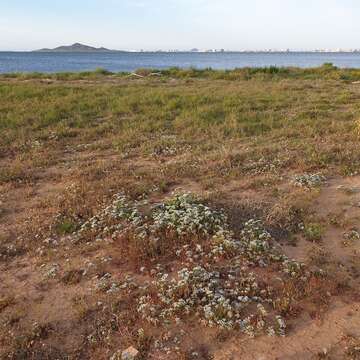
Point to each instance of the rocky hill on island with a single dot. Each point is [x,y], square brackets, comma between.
[77,47]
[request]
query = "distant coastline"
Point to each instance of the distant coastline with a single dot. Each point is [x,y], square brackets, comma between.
[78,47]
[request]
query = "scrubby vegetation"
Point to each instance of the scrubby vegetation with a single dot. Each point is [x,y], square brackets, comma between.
[326,71]
[179,211]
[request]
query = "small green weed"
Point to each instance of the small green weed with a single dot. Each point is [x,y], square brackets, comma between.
[313,232]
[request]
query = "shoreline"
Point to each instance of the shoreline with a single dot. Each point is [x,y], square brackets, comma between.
[325,71]
[53,62]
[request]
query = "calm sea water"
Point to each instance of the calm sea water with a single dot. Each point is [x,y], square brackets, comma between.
[59,62]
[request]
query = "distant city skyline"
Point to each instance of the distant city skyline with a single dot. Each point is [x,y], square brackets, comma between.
[152,25]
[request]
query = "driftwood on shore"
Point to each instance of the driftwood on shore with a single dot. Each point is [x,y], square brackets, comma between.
[144,76]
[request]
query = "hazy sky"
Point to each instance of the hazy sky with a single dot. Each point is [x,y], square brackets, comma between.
[182,24]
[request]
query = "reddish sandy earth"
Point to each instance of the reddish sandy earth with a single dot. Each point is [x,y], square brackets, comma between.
[28,295]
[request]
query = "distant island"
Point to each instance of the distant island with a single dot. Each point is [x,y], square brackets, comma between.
[77,47]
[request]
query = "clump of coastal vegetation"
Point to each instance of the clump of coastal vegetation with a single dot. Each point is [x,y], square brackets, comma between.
[228,297]
[309,180]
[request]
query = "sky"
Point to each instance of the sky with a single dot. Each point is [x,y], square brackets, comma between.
[181,24]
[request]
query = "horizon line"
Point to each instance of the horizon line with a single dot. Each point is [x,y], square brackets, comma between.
[215,50]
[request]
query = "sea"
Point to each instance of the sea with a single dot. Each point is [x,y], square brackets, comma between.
[129,61]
